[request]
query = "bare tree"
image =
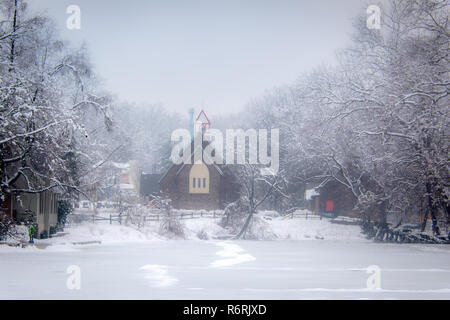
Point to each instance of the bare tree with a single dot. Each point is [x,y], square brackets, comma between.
[255,189]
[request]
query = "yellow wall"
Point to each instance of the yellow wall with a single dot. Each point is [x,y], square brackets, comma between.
[198,171]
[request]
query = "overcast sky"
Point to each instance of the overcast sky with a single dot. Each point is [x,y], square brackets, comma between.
[219,53]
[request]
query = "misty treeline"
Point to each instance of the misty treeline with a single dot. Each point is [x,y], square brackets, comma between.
[377,122]
[58,125]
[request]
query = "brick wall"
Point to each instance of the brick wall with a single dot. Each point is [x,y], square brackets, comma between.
[176,187]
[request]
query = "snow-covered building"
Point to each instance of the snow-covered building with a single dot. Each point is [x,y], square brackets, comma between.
[129,176]
[123,178]
[312,198]
[149,184]
[330,196]
[199,185]
[40,209]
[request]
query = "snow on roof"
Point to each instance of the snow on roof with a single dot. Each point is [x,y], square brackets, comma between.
[310,193]
[126,186]
[121,165]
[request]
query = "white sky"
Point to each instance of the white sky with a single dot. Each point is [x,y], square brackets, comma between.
[219,53]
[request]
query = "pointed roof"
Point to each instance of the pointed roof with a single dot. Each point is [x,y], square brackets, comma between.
[192,151]
[203,118]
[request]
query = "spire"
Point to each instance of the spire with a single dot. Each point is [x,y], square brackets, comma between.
[202,122]
[191,122]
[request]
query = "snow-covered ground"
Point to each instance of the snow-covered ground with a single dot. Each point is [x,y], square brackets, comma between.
[129,264]
[314,229]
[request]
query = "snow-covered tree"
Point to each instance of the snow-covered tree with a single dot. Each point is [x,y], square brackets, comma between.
[48,102]
[378,121]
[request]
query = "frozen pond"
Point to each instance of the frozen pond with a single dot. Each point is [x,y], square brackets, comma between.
[227,270]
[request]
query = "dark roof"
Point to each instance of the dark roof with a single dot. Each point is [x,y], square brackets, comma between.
[150,183]
[192,152]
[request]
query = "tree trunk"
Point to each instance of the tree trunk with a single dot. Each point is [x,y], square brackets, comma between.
[433,210]
[13,40]
[245,226]
[424,222]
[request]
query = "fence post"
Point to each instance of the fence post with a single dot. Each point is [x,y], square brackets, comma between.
[110,219]
[214,214]
[93,218]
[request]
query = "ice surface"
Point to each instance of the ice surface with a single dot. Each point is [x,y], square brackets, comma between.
[158,276]
[181,269]
[231,254]
[126,263]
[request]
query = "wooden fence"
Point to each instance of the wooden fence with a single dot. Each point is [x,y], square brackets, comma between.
[152,216]
[158,216]
[309,216]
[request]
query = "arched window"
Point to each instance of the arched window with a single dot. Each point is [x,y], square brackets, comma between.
[199,178]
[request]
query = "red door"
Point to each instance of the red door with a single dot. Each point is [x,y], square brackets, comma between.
[329,206]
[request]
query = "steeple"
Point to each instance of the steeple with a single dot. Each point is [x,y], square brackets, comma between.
[202,122]
[191,122]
